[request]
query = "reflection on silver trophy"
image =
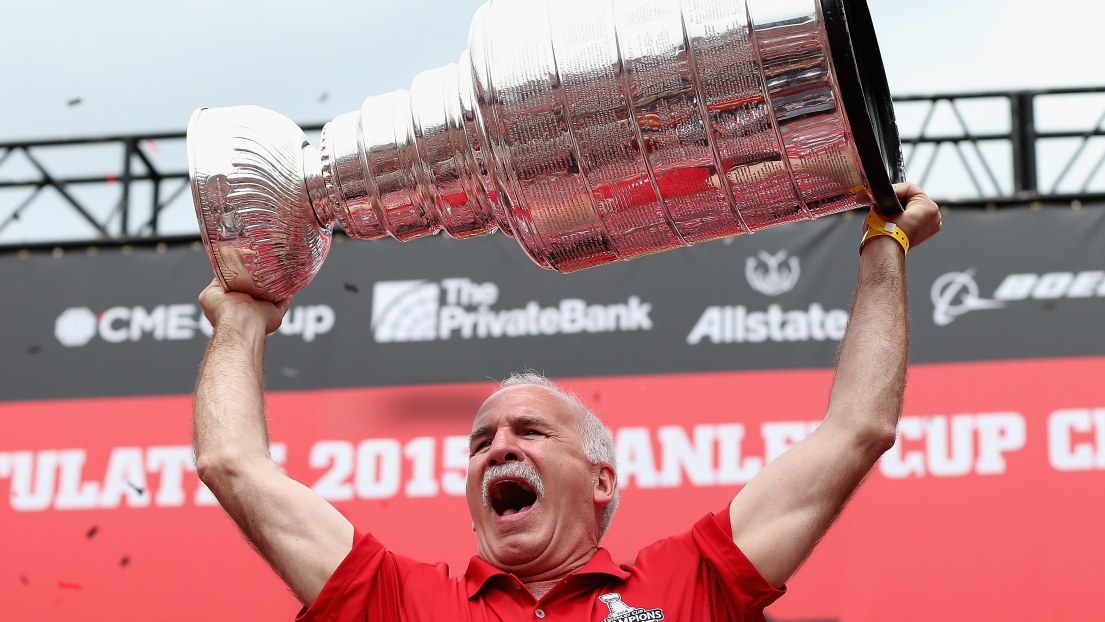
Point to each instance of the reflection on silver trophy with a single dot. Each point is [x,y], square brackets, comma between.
[588,130]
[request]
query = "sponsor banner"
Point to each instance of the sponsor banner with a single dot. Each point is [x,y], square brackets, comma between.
[981,506]
[1012,284]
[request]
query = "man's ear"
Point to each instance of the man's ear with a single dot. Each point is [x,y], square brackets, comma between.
[606,482]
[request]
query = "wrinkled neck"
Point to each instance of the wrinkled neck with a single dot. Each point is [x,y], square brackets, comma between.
[540,582]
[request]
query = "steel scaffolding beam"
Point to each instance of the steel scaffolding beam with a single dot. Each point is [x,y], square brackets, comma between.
[1003,164]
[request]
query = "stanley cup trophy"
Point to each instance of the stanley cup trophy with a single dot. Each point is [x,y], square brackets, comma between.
[588,130]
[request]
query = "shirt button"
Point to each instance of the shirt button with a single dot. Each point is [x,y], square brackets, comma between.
[539,613]
[516,585]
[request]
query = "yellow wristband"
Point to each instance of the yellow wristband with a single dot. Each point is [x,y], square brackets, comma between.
[878,226]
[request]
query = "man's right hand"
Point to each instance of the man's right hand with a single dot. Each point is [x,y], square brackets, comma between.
[301,535]
[239,309]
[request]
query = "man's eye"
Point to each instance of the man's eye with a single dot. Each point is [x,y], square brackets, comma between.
[531,432]
[480,445]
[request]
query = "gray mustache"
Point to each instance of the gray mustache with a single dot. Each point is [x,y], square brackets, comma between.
[519,470]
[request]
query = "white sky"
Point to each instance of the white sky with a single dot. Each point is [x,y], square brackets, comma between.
[140,65]
[144,66]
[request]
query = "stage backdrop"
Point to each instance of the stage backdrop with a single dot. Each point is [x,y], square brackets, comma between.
[706,363]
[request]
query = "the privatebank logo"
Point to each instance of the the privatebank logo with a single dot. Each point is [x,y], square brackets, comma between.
[77,326]
[405,310]
[421,310]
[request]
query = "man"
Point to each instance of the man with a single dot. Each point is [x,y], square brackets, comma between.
[542,484]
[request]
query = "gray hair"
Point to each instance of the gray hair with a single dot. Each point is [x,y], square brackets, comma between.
[598,443]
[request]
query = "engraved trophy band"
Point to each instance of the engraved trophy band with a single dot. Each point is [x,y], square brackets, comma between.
[588,130]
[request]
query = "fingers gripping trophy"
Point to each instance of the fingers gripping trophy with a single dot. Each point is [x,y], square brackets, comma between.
[588,130]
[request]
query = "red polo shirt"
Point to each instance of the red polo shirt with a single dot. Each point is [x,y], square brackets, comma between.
[699,575]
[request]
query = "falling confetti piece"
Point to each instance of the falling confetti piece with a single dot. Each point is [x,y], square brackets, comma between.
[66,585]
[349,287]
[92,532]
[123,562]
[76,101]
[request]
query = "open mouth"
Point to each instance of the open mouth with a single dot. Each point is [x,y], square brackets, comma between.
[509,497]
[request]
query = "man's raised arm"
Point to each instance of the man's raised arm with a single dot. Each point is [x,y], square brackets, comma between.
[302,536]
[782,513]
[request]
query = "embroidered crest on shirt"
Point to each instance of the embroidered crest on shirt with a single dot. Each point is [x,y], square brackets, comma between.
[621,612]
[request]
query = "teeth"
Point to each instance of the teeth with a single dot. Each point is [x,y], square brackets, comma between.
[511,485]
[510,497]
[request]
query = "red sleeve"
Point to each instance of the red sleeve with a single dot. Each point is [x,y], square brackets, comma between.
[365,586]
[731,579]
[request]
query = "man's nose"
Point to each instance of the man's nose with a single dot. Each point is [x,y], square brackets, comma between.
[503,449]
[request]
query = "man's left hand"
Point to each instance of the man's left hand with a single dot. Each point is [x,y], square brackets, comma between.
[921,219]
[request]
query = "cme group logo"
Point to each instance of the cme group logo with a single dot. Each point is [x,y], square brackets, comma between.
[75,327]
[79,326]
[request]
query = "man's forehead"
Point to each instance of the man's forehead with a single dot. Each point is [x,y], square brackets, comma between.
[527,401]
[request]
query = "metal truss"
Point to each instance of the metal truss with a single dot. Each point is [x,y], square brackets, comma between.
[995,148]
[111,189]
[967,149]
[117,223]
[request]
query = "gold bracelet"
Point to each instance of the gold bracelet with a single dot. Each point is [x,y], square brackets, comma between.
[877,226]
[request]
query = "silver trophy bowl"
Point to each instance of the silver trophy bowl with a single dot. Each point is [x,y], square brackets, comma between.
[588,130]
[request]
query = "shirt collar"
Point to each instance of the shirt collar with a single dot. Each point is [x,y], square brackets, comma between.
[480,572]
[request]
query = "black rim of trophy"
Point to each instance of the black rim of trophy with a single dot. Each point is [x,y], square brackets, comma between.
[866,94]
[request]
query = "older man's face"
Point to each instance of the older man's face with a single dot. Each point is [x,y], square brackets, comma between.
[525,438]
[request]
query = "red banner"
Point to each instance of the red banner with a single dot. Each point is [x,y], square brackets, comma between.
[987,508]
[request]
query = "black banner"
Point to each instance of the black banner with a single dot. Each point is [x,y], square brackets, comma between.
[1015,283]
